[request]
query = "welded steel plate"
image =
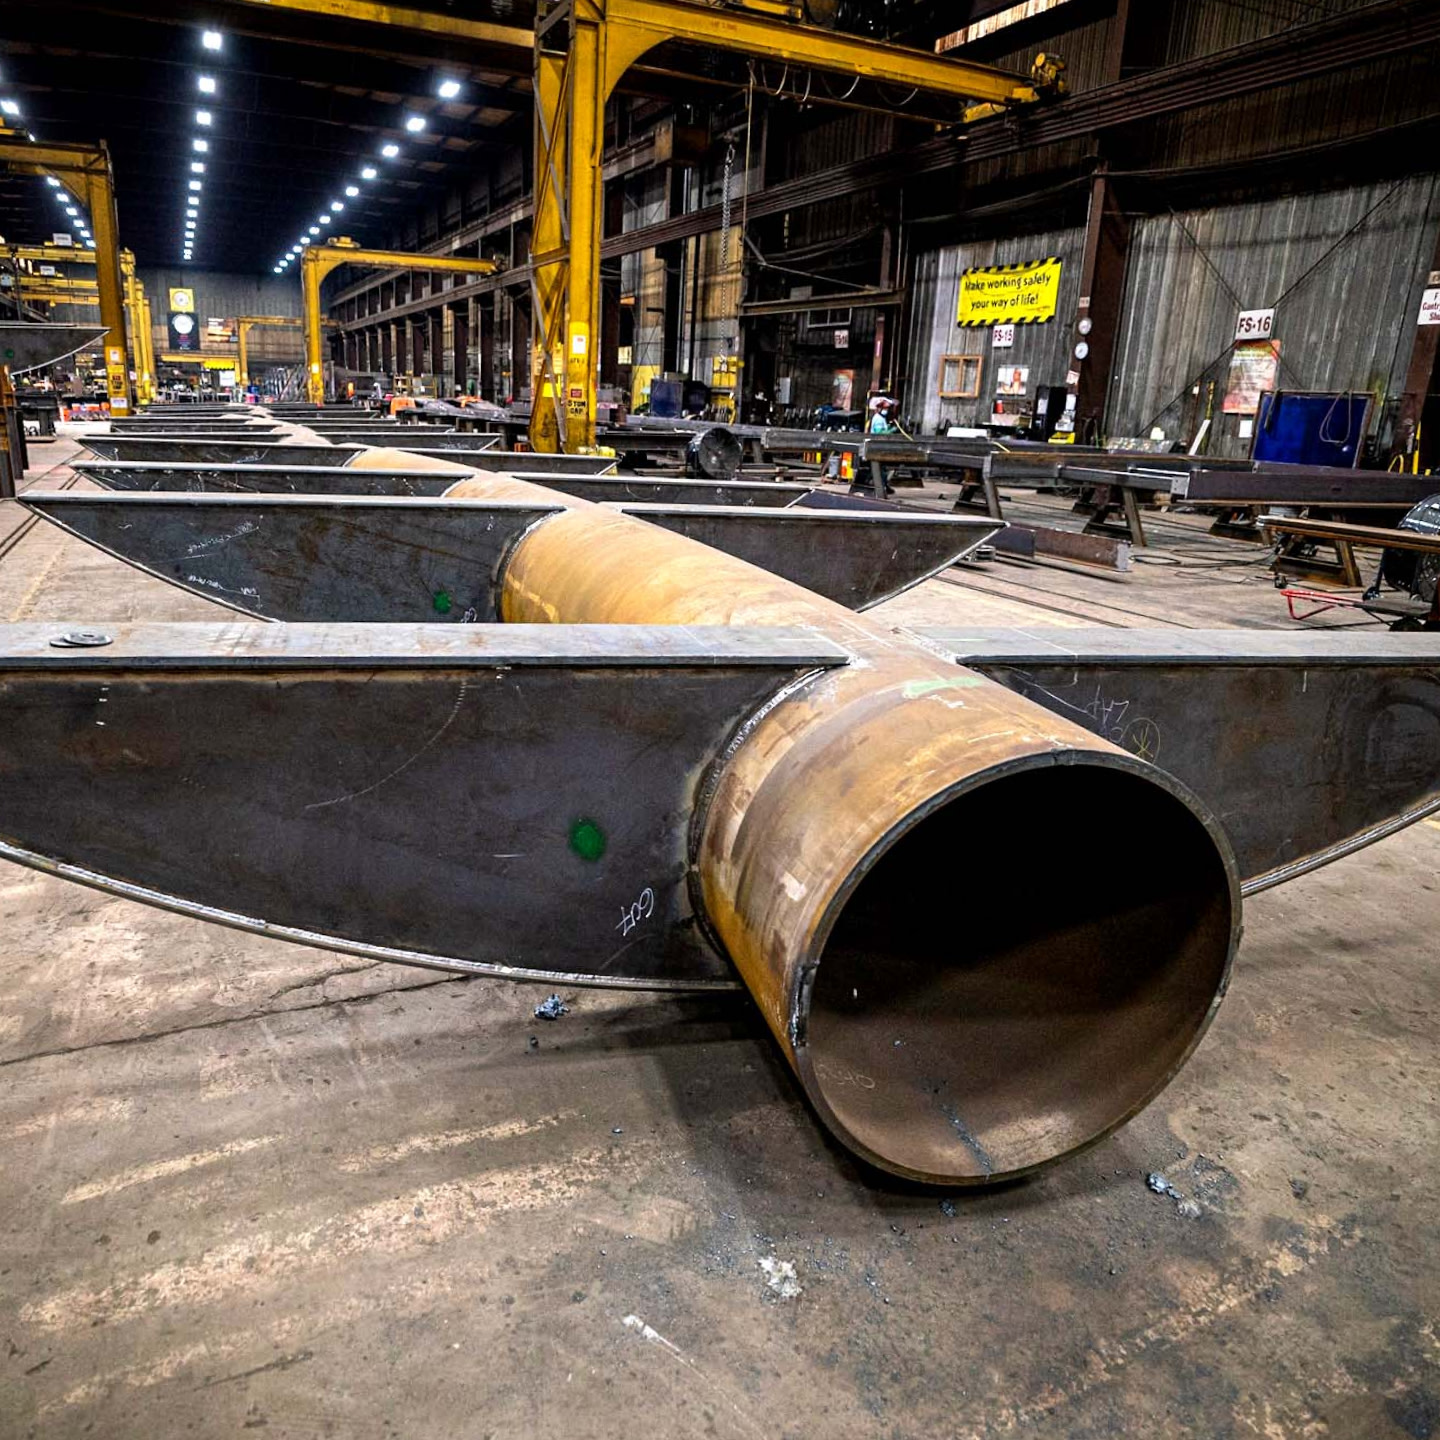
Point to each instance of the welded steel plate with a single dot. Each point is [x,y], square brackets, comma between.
[31,345]
[505,800]
[214,452]
[295,557]
[526,463]
[857,558]
[643,490]
[264,479]
[1306,745]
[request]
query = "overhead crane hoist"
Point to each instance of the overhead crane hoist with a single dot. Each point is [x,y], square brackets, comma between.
[86,170]
[582,49]
[319,260]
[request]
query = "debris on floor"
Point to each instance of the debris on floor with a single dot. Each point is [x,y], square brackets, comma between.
[552,1009]
[780,1277]
[1186,1209]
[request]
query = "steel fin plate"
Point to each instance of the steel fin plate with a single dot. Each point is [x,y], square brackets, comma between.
[215,452]
[263,479]
[644,490]
[1307,746]
[295,557]
[856,558]
[510,800]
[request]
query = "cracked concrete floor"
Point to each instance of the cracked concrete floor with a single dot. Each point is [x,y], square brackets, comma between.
[248,1187]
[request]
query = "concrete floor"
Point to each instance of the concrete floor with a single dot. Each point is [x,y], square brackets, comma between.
[250,1187]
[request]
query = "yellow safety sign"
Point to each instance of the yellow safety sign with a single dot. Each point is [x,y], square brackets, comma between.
[1025,294]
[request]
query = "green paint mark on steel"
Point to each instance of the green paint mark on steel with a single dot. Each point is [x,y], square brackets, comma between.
[918,689]
[443,602]
[587,840]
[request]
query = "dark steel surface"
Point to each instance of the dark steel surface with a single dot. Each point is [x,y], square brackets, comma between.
[857,559]
[238,433]
[641,489]
[527,463]
[218,429]
[264,479]
[1304,485]
[30,345]
[407,437]
[504,800]
[214,452]
[294,557]
[1307,746]
[297,557]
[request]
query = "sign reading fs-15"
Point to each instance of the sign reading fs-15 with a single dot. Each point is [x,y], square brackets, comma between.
[1024,294]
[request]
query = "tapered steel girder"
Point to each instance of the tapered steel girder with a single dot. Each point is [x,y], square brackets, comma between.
[609,788]
[319,260]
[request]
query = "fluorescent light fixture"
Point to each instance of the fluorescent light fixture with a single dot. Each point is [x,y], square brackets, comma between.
[369,173]
[389,151]
[197,167]
[51,180]
[89,244]
[337,206]
[414,123]
[203,117]
[212,39]
[206,84]
[352,191]
[449,89]
[72,212]
[196,184]
[304,239]
[277,269]
[200,146]
[314,229]
[9,107]
[324,219]
[192,214]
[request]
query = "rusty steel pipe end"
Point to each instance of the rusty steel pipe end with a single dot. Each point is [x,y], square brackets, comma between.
[1005,974]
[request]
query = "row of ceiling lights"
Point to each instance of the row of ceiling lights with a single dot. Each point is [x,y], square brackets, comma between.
[10,110]
[446,90]
[213,41]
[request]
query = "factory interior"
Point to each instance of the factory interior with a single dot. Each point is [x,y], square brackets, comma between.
[720,718]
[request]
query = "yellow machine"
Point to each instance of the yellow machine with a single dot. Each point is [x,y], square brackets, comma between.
[319,260]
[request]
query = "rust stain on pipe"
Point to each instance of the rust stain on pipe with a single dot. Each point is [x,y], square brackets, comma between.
[864,852]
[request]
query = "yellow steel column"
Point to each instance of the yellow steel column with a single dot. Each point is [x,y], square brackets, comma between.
[147,347]
[242,337]
[100,201]
[312,270]
[587,136]
[549,251]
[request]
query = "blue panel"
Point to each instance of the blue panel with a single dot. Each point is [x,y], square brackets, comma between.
[1294,428]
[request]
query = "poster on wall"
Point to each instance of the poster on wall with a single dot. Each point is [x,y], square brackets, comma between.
[1024,294]
[183,334]
[182,299]
[842,390]
[1254,368]
[220,331]
[1012,380]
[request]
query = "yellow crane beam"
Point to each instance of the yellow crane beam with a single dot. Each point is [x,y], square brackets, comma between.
[86,170]
[319,260]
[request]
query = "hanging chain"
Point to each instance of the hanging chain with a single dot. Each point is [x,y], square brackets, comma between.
[725,209]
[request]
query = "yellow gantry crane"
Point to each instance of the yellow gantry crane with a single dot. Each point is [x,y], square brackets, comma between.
[85,169]
[61,290]
[319,260]
[582,49]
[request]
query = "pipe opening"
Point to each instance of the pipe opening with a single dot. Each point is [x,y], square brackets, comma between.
[1019,973]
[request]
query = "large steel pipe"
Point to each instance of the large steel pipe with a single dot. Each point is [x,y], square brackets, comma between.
[954,1013]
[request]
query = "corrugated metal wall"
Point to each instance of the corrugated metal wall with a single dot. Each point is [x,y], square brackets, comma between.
[935,294]
[228,296]
[1349,265]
